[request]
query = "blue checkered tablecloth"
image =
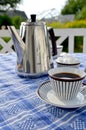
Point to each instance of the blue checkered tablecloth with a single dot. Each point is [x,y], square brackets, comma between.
[22,109]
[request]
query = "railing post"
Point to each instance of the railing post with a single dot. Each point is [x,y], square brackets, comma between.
[71,44]
[84,44]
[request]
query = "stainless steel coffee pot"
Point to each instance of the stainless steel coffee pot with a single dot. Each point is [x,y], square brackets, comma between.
[32,47]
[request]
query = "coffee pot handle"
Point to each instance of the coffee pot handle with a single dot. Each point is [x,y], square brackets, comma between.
[53,41]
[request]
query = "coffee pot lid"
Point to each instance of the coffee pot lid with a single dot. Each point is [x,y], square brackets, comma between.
[33,21]
[33,17]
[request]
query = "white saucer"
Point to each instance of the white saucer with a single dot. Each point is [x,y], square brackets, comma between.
[46,93]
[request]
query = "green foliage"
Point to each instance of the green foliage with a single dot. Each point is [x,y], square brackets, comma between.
[54,24]
[78,46]
[73,6]
[16,21]
[1,20]
[6,4]
[70,7]
[82,14]
[73,24]
[6,39]
[5,20]
[1,47]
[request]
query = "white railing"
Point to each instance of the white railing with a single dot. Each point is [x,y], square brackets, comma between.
[62,33]
[6,47]
[70,34]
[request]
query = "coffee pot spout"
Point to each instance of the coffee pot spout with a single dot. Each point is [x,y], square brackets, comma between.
[19,45]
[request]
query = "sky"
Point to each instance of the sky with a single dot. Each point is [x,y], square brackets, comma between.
[38,6]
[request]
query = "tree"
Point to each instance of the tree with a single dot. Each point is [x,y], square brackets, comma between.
[82,14]
[5,20]
[16,21]
[6,4]
[73,6]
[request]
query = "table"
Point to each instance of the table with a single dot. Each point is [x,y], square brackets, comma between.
[22,109]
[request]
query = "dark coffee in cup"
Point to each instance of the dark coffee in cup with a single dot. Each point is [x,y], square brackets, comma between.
[66,75]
